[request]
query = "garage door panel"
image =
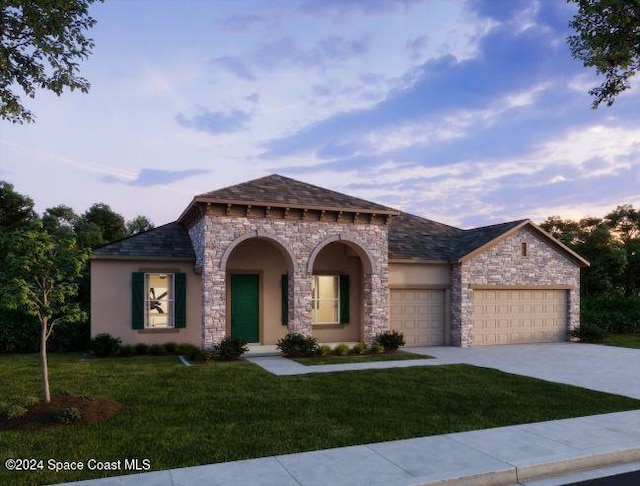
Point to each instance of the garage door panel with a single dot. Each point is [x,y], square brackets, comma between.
[519,316]
[419,315]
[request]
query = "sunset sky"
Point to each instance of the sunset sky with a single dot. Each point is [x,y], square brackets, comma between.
[466,112]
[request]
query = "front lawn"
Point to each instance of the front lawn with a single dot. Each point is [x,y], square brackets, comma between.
[177,416]
[623,340]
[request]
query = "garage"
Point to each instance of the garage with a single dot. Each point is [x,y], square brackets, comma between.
[510,316]
[419,314]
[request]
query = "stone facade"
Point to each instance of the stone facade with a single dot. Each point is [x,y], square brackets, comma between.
[504,264]
[214,238]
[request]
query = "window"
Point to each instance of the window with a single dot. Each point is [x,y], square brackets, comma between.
[523,249]
[330,299]
[159,310]
[158,300]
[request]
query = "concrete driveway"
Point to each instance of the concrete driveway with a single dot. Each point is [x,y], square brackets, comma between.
[604,368]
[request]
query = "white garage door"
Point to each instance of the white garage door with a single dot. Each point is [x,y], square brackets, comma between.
[519,316]
[418,315]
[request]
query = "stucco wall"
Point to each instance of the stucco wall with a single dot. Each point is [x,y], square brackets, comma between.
[301,241]
[419,274]
[111,302]
[504,264]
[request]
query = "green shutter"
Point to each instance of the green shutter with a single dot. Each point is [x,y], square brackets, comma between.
[137,300]
[284,304]
[344,299]
[180,300]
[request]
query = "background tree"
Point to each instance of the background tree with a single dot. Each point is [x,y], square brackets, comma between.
[624,222]
[16,210]
[607,37]
[41,44]
[100,225]
[39,274]
[139,224]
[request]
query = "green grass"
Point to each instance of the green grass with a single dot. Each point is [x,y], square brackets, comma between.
[623,340]
[359,358]
[179,416]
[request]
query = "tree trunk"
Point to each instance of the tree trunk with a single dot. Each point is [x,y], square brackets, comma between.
[46,393]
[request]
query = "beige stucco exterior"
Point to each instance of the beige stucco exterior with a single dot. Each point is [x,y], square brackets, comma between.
[412,274]
[111,301]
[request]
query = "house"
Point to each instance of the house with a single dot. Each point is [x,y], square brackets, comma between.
[274,255]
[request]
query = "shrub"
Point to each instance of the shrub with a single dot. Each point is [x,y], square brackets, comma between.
[141,349]
[192,353]
[589,332]
[125,351]
[376,348]
[296,345]
[12,410]
[230,348]
[171,347]
[70,336]
[613,313]
[324,350]
[19,333]
[390,340]
[156,349]
[359,348]
[67,415]
[341,350]
[104,345]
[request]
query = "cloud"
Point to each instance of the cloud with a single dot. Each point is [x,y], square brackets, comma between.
[241,22]
[215,122]
[336,8]
[234,65]
[155,177]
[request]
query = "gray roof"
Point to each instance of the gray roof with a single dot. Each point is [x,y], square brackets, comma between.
[415,238]
[278,190]
[168,241]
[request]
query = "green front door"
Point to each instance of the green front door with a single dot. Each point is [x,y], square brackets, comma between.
[245,307]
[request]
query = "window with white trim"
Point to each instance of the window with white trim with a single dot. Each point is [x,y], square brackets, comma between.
[159,300]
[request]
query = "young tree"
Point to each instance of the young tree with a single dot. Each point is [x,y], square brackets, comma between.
[41,44]
[607,37]
[39,274]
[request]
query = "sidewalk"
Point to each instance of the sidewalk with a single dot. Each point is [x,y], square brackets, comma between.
[521,454]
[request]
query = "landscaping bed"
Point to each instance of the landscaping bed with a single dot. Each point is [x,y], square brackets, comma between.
[359,358]
[177,416]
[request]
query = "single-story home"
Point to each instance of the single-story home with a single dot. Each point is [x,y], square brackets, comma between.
[274,255]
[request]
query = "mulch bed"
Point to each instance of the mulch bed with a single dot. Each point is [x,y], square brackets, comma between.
[41,416]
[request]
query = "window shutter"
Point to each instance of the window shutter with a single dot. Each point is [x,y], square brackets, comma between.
[137,300]
[180,300]
[284,286]
[344,299]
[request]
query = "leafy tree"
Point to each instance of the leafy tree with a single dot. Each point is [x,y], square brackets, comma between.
[41,43]
[624,222]
[16,210]
[39,275]
[59,219]
[100,225]
[607,37]
[139,224]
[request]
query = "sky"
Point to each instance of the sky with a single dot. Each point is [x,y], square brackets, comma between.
[467,112]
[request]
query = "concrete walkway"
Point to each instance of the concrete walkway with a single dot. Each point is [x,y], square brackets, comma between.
[538,454]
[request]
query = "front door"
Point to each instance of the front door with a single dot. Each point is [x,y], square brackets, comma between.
[245,307]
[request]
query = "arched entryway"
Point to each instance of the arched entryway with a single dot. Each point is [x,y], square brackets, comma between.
[256,269]
[337,288]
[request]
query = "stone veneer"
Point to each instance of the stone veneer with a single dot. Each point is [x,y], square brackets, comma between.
[214,238]
[504,264]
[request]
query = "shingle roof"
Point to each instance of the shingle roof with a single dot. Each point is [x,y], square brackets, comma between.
[168,241]
[475,238]
[278,190]
[415,238]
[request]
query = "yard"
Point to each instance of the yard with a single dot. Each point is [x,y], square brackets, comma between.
[630,340]
[176,416]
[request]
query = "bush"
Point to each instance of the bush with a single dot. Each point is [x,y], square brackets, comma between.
[230,348]
[19,333]
[70,336]
[126,350]
[296,345]
[67,415]
[390,340]
[613,313]
[171,347]
[12,411]
[341,350]
[324,350]
[141,349]
[156,349]
[192,353]
[376,348]
[104,345]
[359,348]
[589,332]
